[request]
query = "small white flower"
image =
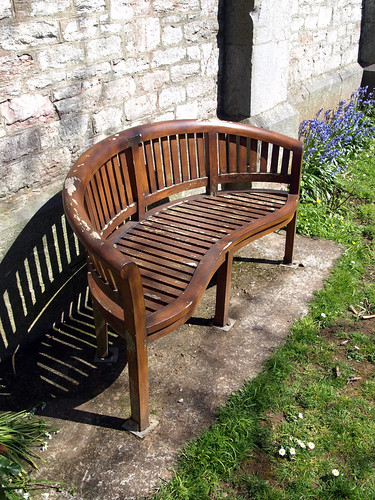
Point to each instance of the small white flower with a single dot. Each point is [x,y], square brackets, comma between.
[301,443]
[300,415]
[311,445]
[48,435]
[335,472]
[45,495]
[282,452]
[26,495]
[44,446]
[292,451]
[323,315]
[353,262]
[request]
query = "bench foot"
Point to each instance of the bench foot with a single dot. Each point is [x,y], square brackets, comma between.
[131,426]
[110,359]
[226,327]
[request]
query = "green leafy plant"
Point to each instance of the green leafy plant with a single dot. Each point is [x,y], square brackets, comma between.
[21,434]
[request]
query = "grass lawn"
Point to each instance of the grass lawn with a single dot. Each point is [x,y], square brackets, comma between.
[305,427]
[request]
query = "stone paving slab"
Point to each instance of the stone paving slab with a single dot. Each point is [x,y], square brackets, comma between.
[192,371]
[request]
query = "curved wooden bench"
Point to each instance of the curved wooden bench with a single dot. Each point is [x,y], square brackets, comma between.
[157,211]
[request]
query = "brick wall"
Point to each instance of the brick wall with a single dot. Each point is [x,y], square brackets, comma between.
[74,71]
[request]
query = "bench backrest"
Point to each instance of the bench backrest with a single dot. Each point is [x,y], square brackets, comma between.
[120,177]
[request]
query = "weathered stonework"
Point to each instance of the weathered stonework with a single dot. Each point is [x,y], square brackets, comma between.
[74,72]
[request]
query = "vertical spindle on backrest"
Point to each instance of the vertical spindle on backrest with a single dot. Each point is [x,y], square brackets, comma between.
[175,159]
[223,154]
[150,168]
[90,207]
[192,156]
[184,157]
[141,181]
[263,156]
[232,153]
[213,163]
[113,186]
[158,163]
[107,190]
[242,155]
[275,159]
[253,161]
[285,161]
[166,158]
[201,155]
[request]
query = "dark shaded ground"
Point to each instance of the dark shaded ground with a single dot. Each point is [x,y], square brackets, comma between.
[192,371]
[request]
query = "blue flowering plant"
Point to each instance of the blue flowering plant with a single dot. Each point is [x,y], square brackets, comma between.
[331,139]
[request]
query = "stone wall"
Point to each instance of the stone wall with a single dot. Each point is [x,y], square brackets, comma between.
[74,71]
[303,56]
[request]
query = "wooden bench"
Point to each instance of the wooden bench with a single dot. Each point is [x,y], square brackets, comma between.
[159,210]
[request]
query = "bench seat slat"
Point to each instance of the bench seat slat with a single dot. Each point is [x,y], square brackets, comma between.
[226,207]
[187,223]
[168,267]
[173,236]
[178,251]
[205,215]
[177,230]
[163,239]
[220,211]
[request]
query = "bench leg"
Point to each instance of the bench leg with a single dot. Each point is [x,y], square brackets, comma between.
[138,381]
[101,332]
[289,242]
[223,278]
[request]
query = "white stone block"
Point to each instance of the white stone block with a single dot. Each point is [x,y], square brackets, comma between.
[168,56]
[59,56]
[5,9]
[131,65]
[83,28]
[142,36]
[201,87]
[175,5]
[270,76]
[324,17]
[140,107]
[172,35]
[121,10]
[108,119]
[28,108]
[209,59]
[193,53]
[52,7]
[200,30]
[311,22]
[171,96]
[119,89]
[104,48]
[183,71]
[90,6]
[190,110]
[32,34]
[152,81]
